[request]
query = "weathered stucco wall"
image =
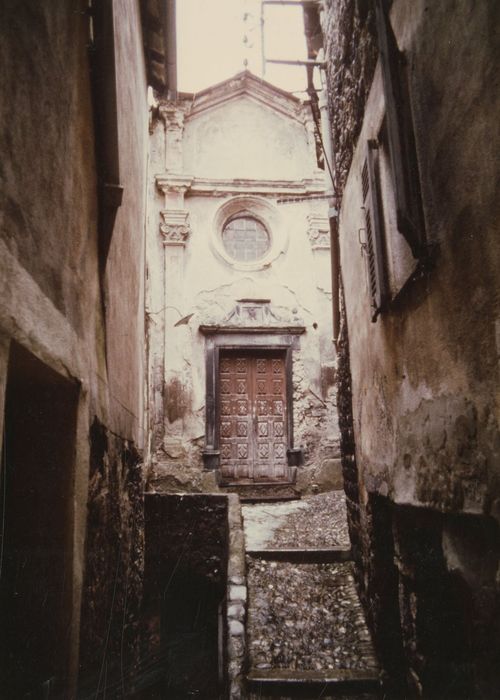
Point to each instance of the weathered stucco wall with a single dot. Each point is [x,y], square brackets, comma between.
[243,139]
[428,366]
[125,265]
[233,153]
[51,297]
[425,375]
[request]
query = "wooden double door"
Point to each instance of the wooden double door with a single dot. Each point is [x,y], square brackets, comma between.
[253,416]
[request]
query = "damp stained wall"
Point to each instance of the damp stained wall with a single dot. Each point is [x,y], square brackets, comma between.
[420,441]
[54,305]
[425,375]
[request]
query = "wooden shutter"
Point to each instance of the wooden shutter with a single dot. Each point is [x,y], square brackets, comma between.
[401,139]
[375,255]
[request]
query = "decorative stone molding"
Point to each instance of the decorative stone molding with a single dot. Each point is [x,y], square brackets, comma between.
[256,207]
[173,186]
[172,115]
[257,89]
[173,183]
[212,187]
[173,118]
[175,227]
[318,232]
[255,314]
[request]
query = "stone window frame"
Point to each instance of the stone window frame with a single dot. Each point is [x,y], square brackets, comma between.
[256,208]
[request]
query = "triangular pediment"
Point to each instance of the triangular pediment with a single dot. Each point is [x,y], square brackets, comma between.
[247,85]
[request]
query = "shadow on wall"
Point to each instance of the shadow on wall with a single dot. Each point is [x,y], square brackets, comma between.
[36,502]
[434,604]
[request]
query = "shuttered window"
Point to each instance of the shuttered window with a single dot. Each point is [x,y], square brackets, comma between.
[401,139]
[374,243]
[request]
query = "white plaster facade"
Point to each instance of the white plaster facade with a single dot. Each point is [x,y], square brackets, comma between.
[238,147]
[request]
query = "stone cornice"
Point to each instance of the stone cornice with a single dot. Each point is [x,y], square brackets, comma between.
[253,87]
[279,330]
[221,187]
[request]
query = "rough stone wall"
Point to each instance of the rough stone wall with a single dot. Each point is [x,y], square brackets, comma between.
[347,444]
[351,54]
[422,425]
[114,558]
[315,430]
[186,581]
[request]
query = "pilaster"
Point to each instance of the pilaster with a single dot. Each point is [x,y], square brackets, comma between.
[318,232]
[172,115]
[175,232]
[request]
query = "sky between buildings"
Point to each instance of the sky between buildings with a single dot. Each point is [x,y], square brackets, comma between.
[215,37]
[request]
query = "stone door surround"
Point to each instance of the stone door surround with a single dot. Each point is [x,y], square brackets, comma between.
[245,340]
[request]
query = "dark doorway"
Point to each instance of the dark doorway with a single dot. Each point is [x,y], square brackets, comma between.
[253,415]
[36,536]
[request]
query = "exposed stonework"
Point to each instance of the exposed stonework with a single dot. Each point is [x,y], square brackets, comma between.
[236,605]
[315,419]
[114,552]
[193,577]
[350,54]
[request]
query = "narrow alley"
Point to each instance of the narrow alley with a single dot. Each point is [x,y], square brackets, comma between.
[306,626]
[249,350]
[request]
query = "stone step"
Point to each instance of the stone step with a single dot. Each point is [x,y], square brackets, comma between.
[341,683]
[264,491]
[303,555]
[305,623]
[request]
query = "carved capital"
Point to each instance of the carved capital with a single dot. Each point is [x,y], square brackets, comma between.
[174,227]
[318,232]
[172,116]
[173,182]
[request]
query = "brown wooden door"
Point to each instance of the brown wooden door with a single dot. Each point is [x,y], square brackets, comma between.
[252,434]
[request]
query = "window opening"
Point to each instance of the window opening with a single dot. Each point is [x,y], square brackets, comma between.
[245,239]
[374,232]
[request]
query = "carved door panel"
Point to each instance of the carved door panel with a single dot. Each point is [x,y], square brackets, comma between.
[252,432]
[235,430]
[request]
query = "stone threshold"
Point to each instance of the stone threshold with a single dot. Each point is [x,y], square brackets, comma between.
[263,491]
[307,555]
[248,484]
[268,498]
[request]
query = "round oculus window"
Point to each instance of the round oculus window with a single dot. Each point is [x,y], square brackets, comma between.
[245,239]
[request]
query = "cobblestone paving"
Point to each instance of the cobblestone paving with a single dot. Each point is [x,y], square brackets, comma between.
[314,521]
[305,616]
